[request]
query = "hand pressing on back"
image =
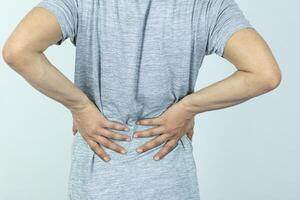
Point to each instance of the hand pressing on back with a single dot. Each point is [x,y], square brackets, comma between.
[94,127]
[171,126]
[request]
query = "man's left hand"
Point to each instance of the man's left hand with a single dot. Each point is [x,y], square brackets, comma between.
[172,125]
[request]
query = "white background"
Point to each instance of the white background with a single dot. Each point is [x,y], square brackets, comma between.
[245,152]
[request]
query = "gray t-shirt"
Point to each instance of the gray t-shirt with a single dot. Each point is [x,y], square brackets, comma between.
[134,58]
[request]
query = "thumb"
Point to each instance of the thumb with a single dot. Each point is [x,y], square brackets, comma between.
[74,129]
[190,133]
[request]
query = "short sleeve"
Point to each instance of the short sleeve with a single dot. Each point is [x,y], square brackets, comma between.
[66,13]
[223,18]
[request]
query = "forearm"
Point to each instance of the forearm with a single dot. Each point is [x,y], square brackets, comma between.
[36,69]
[235,89]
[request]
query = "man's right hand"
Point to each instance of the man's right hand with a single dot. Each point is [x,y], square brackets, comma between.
[92,125]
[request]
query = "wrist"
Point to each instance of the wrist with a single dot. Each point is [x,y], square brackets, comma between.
[187,107]
[80,105]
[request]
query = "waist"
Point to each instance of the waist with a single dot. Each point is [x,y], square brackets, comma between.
[81,147]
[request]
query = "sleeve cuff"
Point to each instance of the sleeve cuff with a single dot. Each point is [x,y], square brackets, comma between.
[227,34]
[57,12]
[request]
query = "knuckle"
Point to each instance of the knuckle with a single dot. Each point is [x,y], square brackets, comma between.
[97,151]
[101,131]
[112,136]
[100,152]
[163,120]
[155,143]
[93,132]
[168,136]
[98,138]
[94,129]
[118,126]
[168,147]
[163,152]
[121,137]
[104,123]
[93,146]
[149,132]
[112,146]
[147,146]
[112,125]
[116,135]
[164,128]
[105,142]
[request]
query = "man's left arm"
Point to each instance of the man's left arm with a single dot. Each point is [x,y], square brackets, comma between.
[257,73]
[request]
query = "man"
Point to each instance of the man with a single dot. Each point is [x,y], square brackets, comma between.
[136,68]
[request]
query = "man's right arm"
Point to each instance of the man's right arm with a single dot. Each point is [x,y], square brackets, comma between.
[23,52]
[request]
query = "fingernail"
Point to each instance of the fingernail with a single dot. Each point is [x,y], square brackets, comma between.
[139,150]
[126,129]
[106,158]
[135,135]
[137,122]
[128,139]
[156,157]
[123,151]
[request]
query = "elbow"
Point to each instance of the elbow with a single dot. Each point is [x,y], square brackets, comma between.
[17,56]
[12,55]
[6,54]
[272,79]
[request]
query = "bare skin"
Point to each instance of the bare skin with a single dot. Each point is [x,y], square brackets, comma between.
[23,51]
[257,73]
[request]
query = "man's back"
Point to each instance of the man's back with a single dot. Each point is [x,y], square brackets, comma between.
[136,58]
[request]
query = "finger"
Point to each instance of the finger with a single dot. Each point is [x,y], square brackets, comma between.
[112,135]
[109,144]
[152,143]
[115,125]
[168,146]
[98,150]
[150,121]
[74,129]
[190,134]
[150,132]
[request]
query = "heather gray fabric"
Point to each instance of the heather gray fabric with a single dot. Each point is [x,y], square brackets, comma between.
[134,59]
